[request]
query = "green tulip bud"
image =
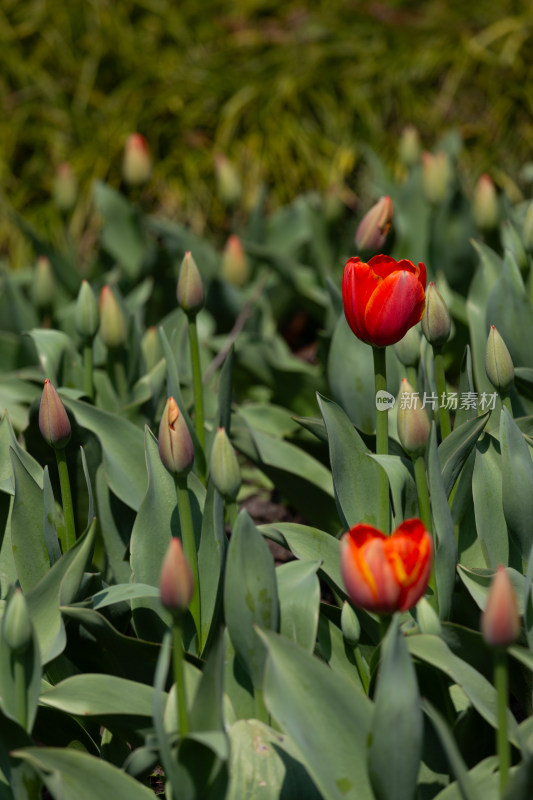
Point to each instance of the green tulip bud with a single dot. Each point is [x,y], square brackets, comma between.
[485,206]
[86,316]
[65,187]
[190,289]
[16,624]
[229,184]
[113,325]
[176,584]
[225,470]
[350,625]
[437,176]
[436,322]
[151,347]
[498,362]
[175,444]
[408,348]
[53,420]
[412,421]
[43,286]
[409,146]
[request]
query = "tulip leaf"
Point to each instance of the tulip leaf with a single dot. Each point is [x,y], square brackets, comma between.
[509,309]
[488,504]
[22,710]
[100,695]
[250,594]
[115,526]
[18,780]
[211,560]
[520,786]
[355,474]
[485,278]
[262,757]
[517,483]
[465,411]
[299,599]
[338,653]
[478,581]
[455,449]
[446,547]
[73,775]
[122,235]
[50,522]
[53,348]
[27,534]
[402,485]
[327,720]
[123,592]
[395,748]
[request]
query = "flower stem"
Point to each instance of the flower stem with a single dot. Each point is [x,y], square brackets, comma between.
[382,438]
[179,677]
[66,497]
[412,377]
[502,743]
[197,382]
[440,380]
[20,689]
[232,512]
[189,548]
[119,369]
[424,508]
[88,370]
[506,401]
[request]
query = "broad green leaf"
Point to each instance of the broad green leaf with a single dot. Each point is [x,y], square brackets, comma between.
[9,440]
[206,710]
[520,786]
[211,560]
[395,748]
[299,600]
[122,235]
[402,485]
[53,349]
[22,710]
[355,474]
[485,278]
[73,775]
[509,309]
[238,686]
[455,449]
[517,483]
[264,763]
[115,527]
[123,592]
[100,695]
[478,582]
[90,511]
[16,395]
[18,781]
[250,594]
[488,505]
[27,535]
[339,654]
[446,546]
[276,452]
[50,522]
[327,720]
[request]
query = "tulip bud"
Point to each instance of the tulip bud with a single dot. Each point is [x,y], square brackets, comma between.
[436,322]
[235,267]
[176,583]
[412,421]
[16,624]
[436,175]
[229,185]
[375,226]
[498,362]
[485,207]
[512,241]
[225,470]
[408,348]
[137,164]
[527,233]
[175,444]
[190,290]
[350,625]
[86,316]
[53,420]
[409,146]
[65,187]
[151,347]
[43,286]
[500,621]
[113,326]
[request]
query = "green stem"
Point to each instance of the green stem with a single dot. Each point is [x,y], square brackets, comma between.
[440,380]
[20,689]
[88,370]
[261,712]
[424,509]
[189,548]
[412,377]
[506,401]
[119,369]
[197,382]
[382,438]
[66,497]
[179,677]
[232,512]
[502,743]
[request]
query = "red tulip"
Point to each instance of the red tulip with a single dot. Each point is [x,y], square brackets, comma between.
[383,299]
[386,573]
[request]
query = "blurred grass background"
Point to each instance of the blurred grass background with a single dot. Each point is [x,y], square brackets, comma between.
[292,92]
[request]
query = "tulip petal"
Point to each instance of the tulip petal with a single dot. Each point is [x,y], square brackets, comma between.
[395,306]
[358,283]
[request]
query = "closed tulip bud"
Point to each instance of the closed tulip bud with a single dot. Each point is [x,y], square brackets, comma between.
[350,625]
[375,225]
[436,322]
[16,624]
[151,347]
[235,267]
[86,316]
[229,185]
[412,421]
[511,241]
[113,326]
[408,349]
[176,584]
[225,470]
[498,362]
[137,163]
[527,233]
[409,147]
[436,176]
[485,208]
[175,444]
[53,420]
[190,289]
[43,286]
[500,622]
[65,187]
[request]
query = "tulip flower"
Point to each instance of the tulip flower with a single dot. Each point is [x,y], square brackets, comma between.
[176,583]
[386,573]
[175,444]
[383,299]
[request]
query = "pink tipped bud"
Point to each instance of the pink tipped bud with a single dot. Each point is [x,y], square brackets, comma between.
[375,225]
[436,175]
[412,421]
[485,206]
[53,420]
[409,146]
[235,267]
[137,164]
[65,188]
[113,326]
[190,289]
[500,621]
[228,181]
[175,444]
[176,583]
